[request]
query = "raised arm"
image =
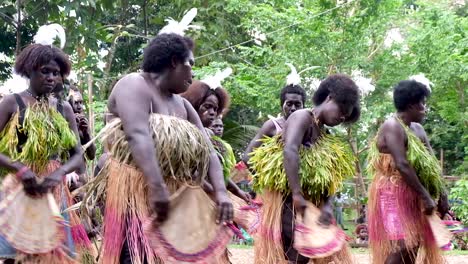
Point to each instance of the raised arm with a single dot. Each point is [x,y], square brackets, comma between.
[268,129]
[215,172]
[395,141]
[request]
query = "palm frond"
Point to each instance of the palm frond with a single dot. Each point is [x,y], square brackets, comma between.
[239,136]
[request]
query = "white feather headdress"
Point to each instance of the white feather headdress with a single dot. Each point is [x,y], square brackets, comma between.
[179,28]
[215,81]
[420,78]
[47,34]
[294,77]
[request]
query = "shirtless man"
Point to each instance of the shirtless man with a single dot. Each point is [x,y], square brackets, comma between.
[167,72]
[292,98]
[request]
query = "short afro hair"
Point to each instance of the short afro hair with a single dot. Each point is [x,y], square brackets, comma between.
[344,92]
[160,51]
[37,55]
[292,89]
[409,92]
[198,91]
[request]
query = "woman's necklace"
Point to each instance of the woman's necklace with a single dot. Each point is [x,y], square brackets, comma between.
[37,97]
[316,120]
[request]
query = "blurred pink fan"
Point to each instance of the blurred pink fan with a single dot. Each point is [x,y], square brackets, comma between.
[190,234]
[17,213]
[313,240]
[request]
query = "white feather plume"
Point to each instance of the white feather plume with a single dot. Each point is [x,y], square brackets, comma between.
[294,78]
[15,84]
[179,28]
[421,78]
[47,34]
[73,77]
[215,81]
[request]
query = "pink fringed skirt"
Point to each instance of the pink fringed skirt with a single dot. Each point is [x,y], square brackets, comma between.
[395,215]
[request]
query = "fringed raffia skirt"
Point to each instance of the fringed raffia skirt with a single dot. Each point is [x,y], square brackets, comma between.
[75,246]
[128,219]
[395,215]
[270,247]
[126,210]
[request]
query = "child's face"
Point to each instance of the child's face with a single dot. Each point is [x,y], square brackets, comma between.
[363,233]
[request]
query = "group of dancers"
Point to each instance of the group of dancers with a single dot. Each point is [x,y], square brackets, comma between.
[164,186]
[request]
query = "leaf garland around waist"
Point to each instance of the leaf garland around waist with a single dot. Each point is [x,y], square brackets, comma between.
[323,167]
[47,134]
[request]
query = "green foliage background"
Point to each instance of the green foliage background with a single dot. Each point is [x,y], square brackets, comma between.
[303,32]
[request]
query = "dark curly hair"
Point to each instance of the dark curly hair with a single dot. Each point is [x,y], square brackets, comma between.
[409,92]
[344,92]
[198,92]
[292,89]
[36,55]
[160,51]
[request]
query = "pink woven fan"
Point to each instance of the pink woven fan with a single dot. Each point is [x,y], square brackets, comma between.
[246,215]
[190,234]
[313,240]
[440,231]
[31,225]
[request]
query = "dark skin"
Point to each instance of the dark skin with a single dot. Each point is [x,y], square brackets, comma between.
[393,140]
[83,124]
[58,93]
[300,128]
[207,113]
[42,81]
[217,127]
[158,93]
[292,103]
[208,110]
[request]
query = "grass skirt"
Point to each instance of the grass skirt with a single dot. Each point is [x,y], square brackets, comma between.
[73,234]
[127,208]
[268,242]
[395,214]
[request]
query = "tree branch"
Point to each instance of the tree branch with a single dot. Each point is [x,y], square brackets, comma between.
[8,19]
[362,150]
[375,50]
[18,27]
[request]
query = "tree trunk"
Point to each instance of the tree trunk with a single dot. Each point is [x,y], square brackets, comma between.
[360,190]
[145,17]
[18,28]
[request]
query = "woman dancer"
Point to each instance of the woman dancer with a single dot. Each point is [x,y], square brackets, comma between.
[209,103]
[38,147]
[406,182]
[304,163]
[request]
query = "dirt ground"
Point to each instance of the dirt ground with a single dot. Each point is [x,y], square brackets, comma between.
[246,256]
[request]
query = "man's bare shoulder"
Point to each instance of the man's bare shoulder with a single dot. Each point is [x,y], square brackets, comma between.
[132,89]
[130,84]
[268,128]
